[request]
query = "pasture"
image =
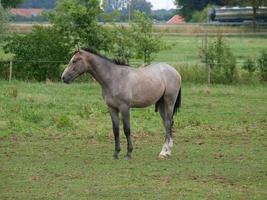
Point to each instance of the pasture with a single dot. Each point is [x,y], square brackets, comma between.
[187,49]
[56,142]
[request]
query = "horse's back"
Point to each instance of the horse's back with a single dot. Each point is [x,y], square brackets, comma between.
[168,72]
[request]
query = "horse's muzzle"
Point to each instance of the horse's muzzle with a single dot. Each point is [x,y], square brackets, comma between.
[65,80]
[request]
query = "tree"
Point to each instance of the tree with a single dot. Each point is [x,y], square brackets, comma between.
[77,20]
[221,60]
[48,4]
[11,3]
[146,44]
[39,54]
[142,6]
[162,14]
[3,21]
[190,6]
[111,5]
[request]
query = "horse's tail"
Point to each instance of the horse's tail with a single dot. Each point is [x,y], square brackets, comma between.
[178,101]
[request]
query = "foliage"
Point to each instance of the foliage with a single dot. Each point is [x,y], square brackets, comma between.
[122,44]
[123,7]
[222,61]
[146,44]
[3,20]
[76,20]
[142,6]
[48,4]
[250,65]
[111,5]
[200,16]
[190,6]
[38,55]
[262,65]
[162,14]
[254,3]
[11,3]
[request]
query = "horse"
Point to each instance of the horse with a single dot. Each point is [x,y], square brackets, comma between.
[125,87]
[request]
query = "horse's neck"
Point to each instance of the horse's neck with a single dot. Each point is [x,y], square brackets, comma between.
[102,72]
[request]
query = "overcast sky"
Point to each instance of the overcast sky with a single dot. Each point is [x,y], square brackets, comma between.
[162,4]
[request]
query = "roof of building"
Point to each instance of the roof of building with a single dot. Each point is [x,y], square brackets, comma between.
[176,19]
[25,11]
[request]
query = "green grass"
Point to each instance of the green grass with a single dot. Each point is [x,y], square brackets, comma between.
[187,49]
[56,142]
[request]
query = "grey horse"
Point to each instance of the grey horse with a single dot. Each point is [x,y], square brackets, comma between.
[124,87]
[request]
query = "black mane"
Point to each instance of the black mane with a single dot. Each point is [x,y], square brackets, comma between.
[115,61]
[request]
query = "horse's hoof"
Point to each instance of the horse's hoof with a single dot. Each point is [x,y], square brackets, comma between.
[115,157]
[128,157]
[163,157]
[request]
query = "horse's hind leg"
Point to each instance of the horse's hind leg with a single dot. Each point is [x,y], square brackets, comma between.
[125,112]
[115,124]
[166,112]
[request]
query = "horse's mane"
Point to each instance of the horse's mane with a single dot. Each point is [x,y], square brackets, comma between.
[115,61]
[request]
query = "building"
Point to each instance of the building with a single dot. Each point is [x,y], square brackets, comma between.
[176,20]
[25,12]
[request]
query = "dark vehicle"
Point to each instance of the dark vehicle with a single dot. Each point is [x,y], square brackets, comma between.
[237,14]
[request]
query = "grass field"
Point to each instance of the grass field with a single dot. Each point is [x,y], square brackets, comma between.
[56,143]
[186,49]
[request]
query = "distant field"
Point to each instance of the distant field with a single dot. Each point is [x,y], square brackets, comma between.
[56,142]
[186,49]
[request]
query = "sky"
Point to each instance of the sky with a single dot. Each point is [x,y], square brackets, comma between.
[162,4]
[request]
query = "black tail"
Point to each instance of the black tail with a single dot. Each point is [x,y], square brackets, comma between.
[177,104]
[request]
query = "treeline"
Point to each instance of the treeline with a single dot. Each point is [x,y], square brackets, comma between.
[47,4]
[119,9]
[40,54]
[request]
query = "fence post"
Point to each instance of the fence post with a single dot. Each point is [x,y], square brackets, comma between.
[209,72]
[206,59]
[10,70]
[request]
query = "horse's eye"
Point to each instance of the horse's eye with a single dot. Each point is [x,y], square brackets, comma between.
[74,61]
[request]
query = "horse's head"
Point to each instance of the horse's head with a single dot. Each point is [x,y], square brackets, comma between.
[76,67]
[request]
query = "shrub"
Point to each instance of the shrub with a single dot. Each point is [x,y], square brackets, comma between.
[77,20]
[222,61]
[38,55]
[262,65]
[250,65]
[146,44]
[122,43]
[200,16]
[193,73]
[3,20]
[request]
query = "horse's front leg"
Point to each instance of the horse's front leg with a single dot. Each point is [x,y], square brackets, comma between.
[125,112]
[114,113]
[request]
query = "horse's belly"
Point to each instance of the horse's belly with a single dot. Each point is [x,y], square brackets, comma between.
[144,95]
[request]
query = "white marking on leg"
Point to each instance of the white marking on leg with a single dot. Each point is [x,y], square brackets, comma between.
[166,149]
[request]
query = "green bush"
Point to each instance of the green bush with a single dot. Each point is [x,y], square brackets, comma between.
[200,16]
[38,55]
[250,65]
[193,73]
[222,62]
[3,21]
[77,20]
[262,65]
[146,44]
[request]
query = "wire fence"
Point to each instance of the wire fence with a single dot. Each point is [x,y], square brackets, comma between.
[7,67]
